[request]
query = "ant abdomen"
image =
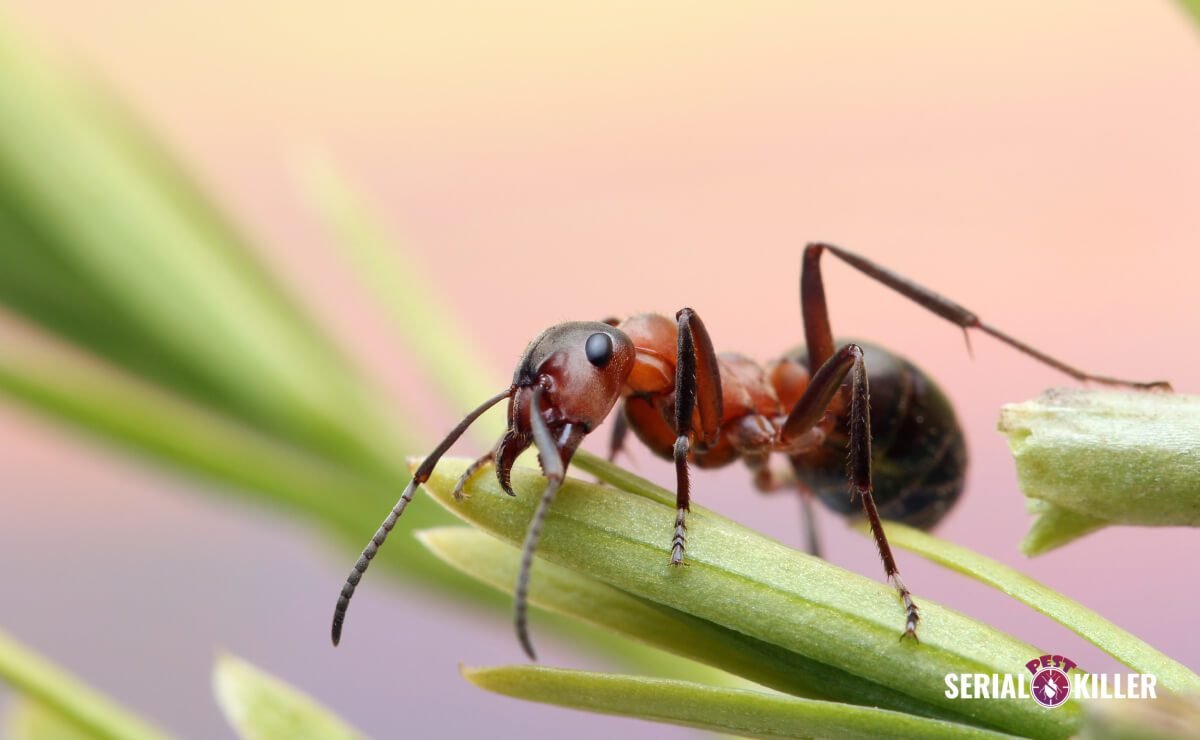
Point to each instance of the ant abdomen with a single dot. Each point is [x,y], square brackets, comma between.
[919,458]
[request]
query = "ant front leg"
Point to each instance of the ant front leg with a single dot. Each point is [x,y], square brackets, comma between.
[469,473]
[808,411]
[697,388]
[819,338]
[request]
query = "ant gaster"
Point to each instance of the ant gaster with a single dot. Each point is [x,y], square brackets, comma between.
[691,406]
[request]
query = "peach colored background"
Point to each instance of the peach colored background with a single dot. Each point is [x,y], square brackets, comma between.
[548,161]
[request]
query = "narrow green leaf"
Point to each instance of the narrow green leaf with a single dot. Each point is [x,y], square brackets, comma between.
[1099,458]
[1131,651]
[574,595]
[92,713]
[735,711]
[168,430]
[747,583]
[421,319]
[1193,9]
[259,706]
[31,720]
[152,422]
[159,284]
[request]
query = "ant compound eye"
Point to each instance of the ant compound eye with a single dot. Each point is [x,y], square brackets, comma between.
[599,349]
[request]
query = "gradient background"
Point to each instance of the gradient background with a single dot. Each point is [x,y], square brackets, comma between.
[548,161]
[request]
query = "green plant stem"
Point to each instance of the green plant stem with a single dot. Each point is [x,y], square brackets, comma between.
[64,694]
[735,711]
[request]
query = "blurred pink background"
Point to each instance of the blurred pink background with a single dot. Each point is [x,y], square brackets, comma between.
[1037,162]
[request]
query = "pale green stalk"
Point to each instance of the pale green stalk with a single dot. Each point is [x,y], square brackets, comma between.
[81,706]
[734,711]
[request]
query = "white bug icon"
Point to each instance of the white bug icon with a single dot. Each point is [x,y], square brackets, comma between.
[1050,689]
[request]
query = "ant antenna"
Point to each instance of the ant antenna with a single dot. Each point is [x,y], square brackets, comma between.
[419,477]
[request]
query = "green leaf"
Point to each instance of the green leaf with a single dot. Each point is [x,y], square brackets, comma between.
[60,693]
[1193,9]
[735,711]
[259,706]
[106,244]
[421,319]
[747,583]
[242,461]
[1172,675]
[30,720]
[1097,458]
[565,592]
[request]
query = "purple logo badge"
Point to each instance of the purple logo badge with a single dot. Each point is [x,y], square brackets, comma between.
[1050,686]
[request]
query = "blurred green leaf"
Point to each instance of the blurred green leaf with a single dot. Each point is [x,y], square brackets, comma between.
[105,246]
[735,711]
[420,316]
[1193,9]
[31,720]
[169,430]
[259,706]
[193,355]
[747,583]
[61,694]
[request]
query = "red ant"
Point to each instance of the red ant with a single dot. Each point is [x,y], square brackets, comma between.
[689,405]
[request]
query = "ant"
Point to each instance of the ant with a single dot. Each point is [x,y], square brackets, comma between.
[689,405]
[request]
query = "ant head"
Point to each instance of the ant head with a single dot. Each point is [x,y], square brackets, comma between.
[582,367]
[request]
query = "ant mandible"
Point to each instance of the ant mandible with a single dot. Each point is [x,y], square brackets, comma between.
[689,405]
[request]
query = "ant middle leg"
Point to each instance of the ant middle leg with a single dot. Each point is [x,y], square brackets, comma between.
[819,337]
[809,411]
[697,389]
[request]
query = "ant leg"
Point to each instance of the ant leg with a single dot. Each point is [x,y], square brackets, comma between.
[470,472]
[697,388]
[620,430]
[554,458]
[419,477]
[768,480]
[820,339]
[825,384]
[812,543]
